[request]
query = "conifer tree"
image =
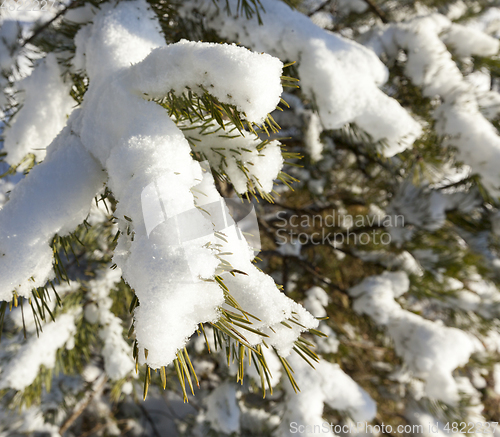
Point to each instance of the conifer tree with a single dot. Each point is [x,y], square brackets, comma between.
[142,142]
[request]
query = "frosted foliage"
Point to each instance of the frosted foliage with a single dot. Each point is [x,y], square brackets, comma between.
[9,32]
[253,163]
[419,207]
[430,65]
[431,350]
[30,420]
[341,76]
[55,198]
[38,351]
[256,291]
[149,168]
[328,384]
[46,106]
[116,351]
[22,321]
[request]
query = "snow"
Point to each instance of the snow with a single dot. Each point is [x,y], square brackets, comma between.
[431,350]
[496,377]
[169,262]
[218,69]
[310,120]
[55,198]
[316,301]
[467,41]
[327,384]
[339,75]
[169,212]
[223,412]
[430,66]
[38,351]
[250,166]
[46,106]
[30,420]
[117,353]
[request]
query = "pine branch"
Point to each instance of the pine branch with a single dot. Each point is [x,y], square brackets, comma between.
[47,24]
[95,390]
[376,9]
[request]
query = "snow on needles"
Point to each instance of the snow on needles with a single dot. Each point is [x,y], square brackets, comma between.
[429,349]
[167,250]
[339,75]
[38,351]
[329,385]
[430,65]
[45,109]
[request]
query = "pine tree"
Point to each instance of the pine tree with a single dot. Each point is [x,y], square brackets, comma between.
[139,140]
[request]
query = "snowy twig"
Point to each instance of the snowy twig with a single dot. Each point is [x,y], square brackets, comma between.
[91,394]
[48,23]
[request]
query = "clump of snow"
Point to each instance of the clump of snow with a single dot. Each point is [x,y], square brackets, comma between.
[327,384]
[430,66]
[258,95]
[38,351]
[348,6]
[316,301]
[312,136]
[431,350]
[46,106]
[116,352]
[223,411]
[29,420]
[55,198]
[339,75]
[167,250]
[496,376]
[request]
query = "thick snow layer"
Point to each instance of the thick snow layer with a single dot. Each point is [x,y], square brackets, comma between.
[327,384]
[339,75]
[218,69]
[167,250]
[55,198]
[256,291]
[431,350]
[46,106]
[430,66]
[37,351]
